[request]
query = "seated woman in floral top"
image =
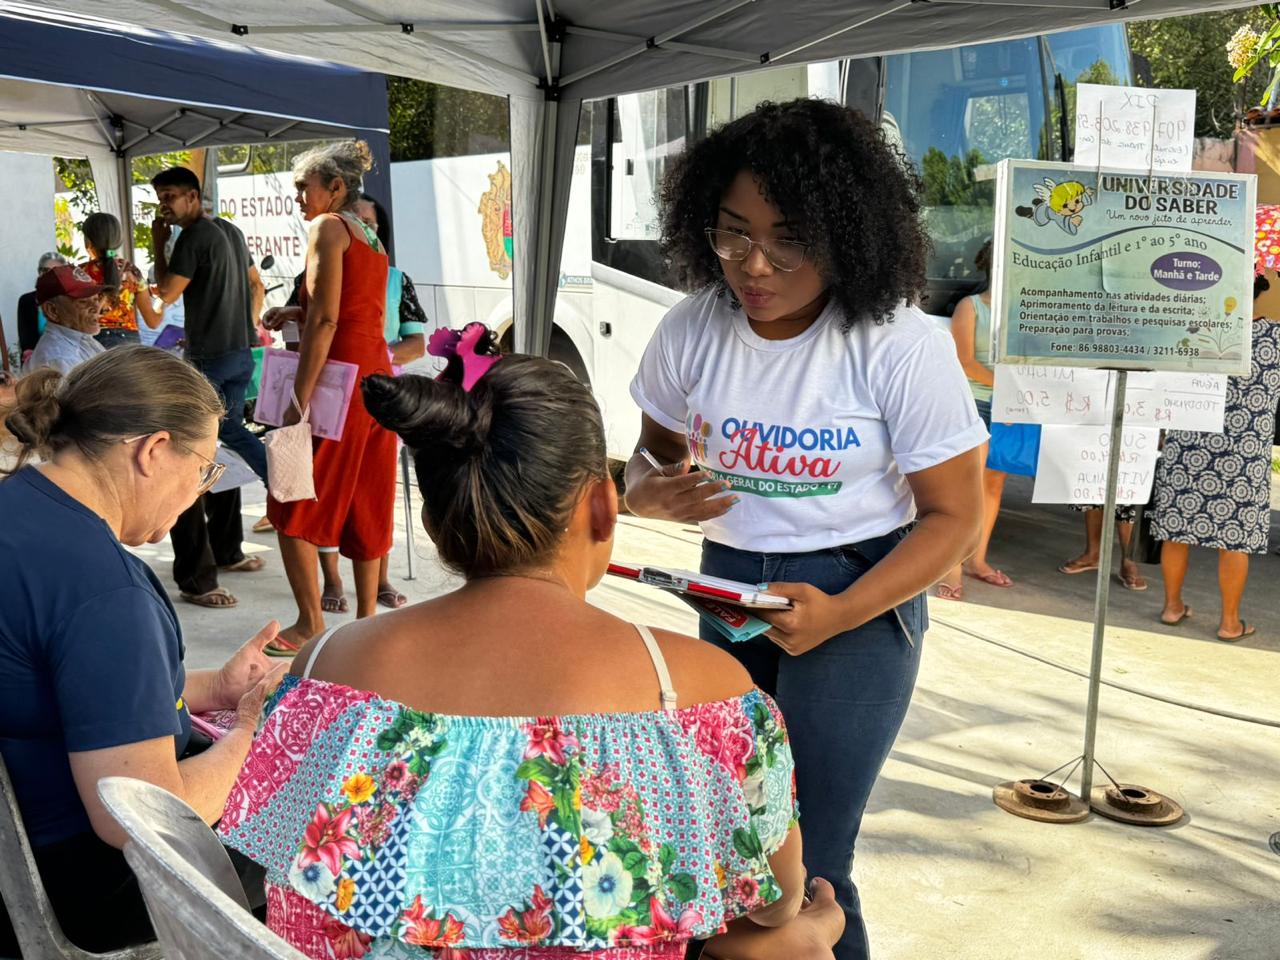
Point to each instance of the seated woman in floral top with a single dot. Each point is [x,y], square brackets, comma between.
[507,771]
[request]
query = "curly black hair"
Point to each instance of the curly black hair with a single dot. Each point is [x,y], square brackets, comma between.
[831,171]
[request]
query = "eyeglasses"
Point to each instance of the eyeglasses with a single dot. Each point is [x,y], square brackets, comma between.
[784,255]
[210,472]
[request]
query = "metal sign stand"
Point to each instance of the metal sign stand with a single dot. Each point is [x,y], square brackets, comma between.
[1042,799]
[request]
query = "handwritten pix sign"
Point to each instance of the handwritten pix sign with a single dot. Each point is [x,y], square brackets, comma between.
[1135,127]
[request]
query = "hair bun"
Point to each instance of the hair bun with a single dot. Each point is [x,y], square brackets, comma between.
[363,155]
[428,413]
[36,411]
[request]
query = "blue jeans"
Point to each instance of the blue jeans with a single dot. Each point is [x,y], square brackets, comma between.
[230,375]
[843,702]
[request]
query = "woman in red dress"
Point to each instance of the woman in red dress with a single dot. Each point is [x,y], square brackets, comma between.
[340,313]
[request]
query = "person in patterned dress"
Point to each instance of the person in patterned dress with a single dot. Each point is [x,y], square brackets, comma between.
[1214,489]
[507,772]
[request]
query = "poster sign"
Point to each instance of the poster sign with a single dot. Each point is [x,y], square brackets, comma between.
[1116,269]
[1073,465]
[1135,127]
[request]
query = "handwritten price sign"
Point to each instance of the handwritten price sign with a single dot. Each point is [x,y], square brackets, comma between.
[1070,396]
[1074,460]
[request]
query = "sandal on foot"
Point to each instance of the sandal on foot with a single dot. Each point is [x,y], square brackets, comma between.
[997,578]
[218,598]
[948,592]
[392,598]
[330,603]
[245,565]
[280,647]
[1072,567]
[263,526]
[1245,631]
[1186,615]
[1137,583]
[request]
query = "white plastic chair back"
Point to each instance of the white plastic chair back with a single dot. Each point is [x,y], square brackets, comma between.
[40,937]
[197,905]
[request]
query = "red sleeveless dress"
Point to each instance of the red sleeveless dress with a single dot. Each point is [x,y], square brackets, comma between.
[355,477]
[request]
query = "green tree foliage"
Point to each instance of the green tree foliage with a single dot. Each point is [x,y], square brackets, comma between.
[76,174]
[949,181]
[1191,53]
[430,121]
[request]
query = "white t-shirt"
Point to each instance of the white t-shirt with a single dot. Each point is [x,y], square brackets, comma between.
[816,433]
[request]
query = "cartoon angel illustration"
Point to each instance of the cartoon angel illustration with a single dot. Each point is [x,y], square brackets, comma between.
[1059,203]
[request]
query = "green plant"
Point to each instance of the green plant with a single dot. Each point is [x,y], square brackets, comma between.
[1186,53]
[76,174]
[1248,48]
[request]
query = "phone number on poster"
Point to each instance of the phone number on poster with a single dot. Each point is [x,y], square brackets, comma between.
[1131,349]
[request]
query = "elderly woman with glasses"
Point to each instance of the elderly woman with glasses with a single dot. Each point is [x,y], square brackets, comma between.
[834,445]
[92,682]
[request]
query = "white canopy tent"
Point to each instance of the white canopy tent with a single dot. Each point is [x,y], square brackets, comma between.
[548,56]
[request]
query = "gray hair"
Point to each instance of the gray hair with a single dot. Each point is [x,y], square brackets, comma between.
[53,256]
[346,160]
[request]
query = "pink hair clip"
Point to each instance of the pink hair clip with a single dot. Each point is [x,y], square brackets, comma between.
[460,346]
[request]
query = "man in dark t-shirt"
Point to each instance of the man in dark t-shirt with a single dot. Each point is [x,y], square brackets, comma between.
[210,269]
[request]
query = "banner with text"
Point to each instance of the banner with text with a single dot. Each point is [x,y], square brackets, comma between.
[1111,268]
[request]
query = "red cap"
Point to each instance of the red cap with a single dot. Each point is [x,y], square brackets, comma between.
[67,281]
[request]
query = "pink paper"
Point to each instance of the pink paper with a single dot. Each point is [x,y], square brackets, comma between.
[329,400]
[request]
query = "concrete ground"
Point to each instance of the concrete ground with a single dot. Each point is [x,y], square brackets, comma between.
[943,872]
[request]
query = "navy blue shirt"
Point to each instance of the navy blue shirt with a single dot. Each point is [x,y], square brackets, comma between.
[90,650]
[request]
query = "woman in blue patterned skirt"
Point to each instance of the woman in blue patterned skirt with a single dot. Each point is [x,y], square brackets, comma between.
[1214,489]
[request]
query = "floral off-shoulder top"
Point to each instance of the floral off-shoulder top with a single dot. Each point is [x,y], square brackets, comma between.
[387,832]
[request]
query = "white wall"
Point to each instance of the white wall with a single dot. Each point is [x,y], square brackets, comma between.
[26,229]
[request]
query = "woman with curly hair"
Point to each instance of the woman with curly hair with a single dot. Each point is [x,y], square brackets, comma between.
[834,446]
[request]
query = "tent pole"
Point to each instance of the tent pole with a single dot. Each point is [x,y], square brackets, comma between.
[543,297]
[125,186]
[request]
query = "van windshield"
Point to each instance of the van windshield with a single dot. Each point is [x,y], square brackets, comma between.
[956,113]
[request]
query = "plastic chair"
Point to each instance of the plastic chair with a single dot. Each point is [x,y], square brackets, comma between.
[40,936]
[197,905]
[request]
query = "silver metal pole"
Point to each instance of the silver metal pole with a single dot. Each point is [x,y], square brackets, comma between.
[1104,583]
[406,479]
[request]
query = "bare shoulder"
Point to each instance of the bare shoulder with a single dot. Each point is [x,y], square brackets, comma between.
[329,228]
[701,671]
[964,311]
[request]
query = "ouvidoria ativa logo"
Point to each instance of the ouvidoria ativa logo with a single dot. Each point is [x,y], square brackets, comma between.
[699,432]
[780,460]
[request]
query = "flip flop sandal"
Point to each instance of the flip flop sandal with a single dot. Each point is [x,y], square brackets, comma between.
[1246,631]
[280,647]
[948,592]
[331,604]
[247,565]
[263,526]
[207,599]
[996,578]
[1136,583]
[392,598]
[1071,568]
[1186,615]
